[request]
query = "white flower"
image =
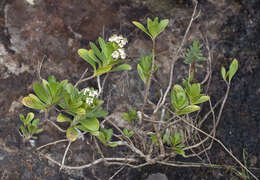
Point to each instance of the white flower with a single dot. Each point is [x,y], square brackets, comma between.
[93,93]
[115,54]
[112,38]
[89,100]
[86,90]
[120,40]
[122,53]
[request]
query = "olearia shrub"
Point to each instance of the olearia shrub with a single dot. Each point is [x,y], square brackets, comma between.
[168,130]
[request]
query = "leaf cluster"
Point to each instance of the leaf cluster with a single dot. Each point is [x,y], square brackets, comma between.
[154,27]
[105,136]
[101,60]
[184,101]
[130,116]
[30,126]
[48,94]
[194,54]
[231,72]
[144,67]
[174,141]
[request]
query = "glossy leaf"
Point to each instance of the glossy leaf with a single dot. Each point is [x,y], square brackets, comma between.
[91,124]
[41,93]
[232,69]
[188,109]
[29,117]
[223,73]
[201,100]
[121,67]
[140,26]
[72,134]
[112,144]
[33,102]
[102,70]
[83,53]
[62,118]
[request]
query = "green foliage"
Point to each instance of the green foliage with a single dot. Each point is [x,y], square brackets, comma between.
[48,94]
[105,136]
[102,60]
[30,126]
[144,67]
[128,133]
[194,54]
[174,141]
[231,72]
[184,101]
[130,116]
[154,28]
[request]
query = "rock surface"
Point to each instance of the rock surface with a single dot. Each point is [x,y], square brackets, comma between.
[52,31]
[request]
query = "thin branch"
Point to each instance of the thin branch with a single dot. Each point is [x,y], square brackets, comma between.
[81,77]
[52,143]
[64,156]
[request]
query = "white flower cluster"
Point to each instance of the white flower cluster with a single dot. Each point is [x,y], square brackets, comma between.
[119,53]
[120,40]
[91,93]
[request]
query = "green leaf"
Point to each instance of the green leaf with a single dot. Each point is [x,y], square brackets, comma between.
[83,53]
[125,131]
[122,67]
[126,117]
[33,102]
[80,111]
[22,118]
[103,70]
[38,131]
[96,114]
[63,118]
[72,134]
[232,69]
[24,131]
[108,134]
[141,73]
[91,124]
[35,122]
[97,53]
[179,151]
[41,93]
[29,117]
[223,73]
[112,144]
[178,97]
[154,139]
[31,129]
[162,25]
[201,100]
[104,48]
[188,109]
[140,26]
[176,139]
[166,136]
[51,79]
[102,137]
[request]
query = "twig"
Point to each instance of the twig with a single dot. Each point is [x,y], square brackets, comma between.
[116,173]
[52,143]
[223,146]
[175,58]
[81,77]
[64,156]
[55,125]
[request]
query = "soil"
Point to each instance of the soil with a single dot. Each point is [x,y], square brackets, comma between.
[53,31]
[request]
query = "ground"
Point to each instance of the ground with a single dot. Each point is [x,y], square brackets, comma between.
[53,31]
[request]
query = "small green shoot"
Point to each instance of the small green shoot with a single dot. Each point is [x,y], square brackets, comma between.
[231,72]
[128,133]
[145,66]
[130,116]
[105,136]
[30,126]
[154,28]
